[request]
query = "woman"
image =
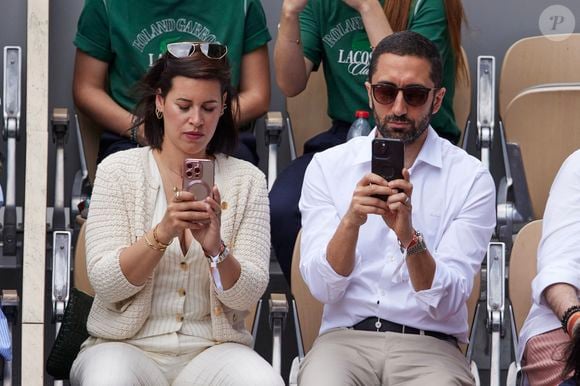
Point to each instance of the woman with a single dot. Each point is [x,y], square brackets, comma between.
[173,276]
[340,34]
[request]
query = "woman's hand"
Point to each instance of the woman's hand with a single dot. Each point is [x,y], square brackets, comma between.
[182,213]
[208,233]
[294,6]
[359,5]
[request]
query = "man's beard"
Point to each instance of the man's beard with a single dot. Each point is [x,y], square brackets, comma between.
[413,132]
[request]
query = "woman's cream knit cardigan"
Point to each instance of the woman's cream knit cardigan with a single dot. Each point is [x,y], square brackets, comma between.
[122,204]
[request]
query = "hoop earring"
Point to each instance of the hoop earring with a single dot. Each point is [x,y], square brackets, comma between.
[158,114]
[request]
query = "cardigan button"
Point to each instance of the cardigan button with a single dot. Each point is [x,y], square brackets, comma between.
[183,266]
[224,205]
[181,292]
[179,317]
[217,311]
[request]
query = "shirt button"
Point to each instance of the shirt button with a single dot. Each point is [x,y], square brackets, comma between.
[181,292]
[179,317]
[183,266]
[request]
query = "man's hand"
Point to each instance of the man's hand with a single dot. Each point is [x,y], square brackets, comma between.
[398,213]
[363,203]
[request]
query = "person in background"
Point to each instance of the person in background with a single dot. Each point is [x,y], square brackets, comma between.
[340,35]
[394,274]
[118,41]
[554,317]
[175,274]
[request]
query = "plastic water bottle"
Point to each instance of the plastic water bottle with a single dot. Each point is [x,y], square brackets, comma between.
[360,126]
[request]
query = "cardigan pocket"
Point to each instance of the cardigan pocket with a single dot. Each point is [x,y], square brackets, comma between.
[120,306]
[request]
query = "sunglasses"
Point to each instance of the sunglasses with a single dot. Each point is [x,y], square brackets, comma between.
[386,93]
[185,49]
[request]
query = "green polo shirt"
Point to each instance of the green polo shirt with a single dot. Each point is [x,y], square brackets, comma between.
[130,35]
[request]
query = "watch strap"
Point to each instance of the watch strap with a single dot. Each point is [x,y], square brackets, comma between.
[221,256]
[418,246]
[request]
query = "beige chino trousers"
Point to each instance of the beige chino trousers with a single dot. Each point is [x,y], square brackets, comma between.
[348,357]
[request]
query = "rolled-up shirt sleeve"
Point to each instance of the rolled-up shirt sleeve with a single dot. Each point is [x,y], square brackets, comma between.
[461,250]
[320,219]
[558,253]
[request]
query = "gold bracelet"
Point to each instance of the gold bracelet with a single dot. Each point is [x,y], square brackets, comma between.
[164,245]
[150,244]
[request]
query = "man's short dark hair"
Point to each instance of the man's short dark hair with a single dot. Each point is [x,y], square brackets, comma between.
[409,43]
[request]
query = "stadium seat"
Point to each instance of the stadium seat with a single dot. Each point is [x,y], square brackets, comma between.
[544,121]
[522,271]
[538,60]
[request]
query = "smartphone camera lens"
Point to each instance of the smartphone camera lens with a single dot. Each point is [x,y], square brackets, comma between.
[189,174]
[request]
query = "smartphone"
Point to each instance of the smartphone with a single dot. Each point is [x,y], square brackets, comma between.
[388,159]
[198,177]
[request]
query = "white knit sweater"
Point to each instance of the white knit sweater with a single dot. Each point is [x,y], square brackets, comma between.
[121,210]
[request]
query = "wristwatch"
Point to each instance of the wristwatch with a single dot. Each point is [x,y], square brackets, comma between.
[417,245]
[221,256]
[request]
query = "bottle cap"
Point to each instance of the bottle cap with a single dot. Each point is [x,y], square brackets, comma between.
[362,114]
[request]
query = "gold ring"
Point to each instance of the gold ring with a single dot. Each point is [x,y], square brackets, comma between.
[177,195]
[407,200]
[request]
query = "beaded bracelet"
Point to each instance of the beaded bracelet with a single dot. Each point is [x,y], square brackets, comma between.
[567,314]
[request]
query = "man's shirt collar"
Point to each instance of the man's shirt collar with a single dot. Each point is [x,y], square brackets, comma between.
[430,152]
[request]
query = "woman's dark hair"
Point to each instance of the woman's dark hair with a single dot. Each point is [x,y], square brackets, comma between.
[158,80]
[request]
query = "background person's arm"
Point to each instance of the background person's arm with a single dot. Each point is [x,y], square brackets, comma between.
[254,93]
[373,17]
[291,77]
[91,97]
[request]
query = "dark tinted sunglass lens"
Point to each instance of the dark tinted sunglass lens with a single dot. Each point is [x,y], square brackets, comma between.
[213,50]
[416,96]
[180,50]
[385,94]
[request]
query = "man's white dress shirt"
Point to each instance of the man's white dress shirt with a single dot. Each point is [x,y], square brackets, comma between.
[453,203]
[559,249]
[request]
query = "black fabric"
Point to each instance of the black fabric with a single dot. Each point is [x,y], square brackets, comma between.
[72,333]
[369,324]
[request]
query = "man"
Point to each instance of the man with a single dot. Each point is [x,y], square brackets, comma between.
[555,312]
[395,275]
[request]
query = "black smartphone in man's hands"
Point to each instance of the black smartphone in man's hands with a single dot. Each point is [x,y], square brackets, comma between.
[388,159]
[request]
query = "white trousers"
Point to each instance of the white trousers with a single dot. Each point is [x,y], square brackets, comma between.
[227,364]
